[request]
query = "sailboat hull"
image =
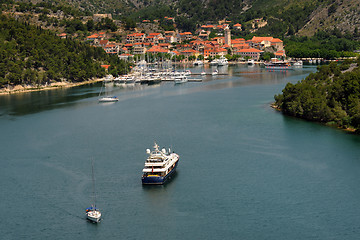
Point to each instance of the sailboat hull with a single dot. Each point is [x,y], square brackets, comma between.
[93,216]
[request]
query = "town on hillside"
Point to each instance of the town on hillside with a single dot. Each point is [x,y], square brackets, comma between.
[188,46]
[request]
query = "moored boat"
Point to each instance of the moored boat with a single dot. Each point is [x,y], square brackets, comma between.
[92,213]
[223,61]
[278,65]
[109,99]
[159,166]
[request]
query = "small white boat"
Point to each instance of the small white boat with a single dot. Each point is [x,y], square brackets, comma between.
[109,99]
[203,73]
[298,63]
[180,79]
[215,72]
[250,62]
[198,63]
[93,214]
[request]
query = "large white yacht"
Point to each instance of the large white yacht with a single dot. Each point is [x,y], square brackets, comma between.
[159,165]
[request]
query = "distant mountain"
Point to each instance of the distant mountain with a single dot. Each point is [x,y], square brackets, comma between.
[280,17]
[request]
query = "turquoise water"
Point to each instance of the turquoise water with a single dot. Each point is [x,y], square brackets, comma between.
[245,172]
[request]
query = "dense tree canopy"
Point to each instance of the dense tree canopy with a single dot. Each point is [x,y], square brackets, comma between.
[331,95]
[31,55]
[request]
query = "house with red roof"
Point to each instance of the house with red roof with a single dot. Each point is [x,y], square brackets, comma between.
[105,66]
[204,34]
[135,38]
[190,52]
[214,51]
[277,44]
[185,36]
[170,36]
[123,50]
[238,41]
[139,49]
[280,54]
[103,43]
[237,47]
[157,49]
[261,42]
[111,48]
[208,27]
[237,26]
[251,53]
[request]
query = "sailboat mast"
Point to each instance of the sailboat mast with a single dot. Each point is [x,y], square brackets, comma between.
[93,183]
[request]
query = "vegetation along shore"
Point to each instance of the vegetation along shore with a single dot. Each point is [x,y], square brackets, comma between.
[330,96]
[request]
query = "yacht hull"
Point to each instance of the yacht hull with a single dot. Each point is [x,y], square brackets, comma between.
[156,180]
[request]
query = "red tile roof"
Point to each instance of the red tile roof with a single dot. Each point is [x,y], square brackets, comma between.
[105,66]
[157,49]
[260,39]
[276,40]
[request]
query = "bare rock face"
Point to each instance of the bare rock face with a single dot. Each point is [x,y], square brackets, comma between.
[342,14]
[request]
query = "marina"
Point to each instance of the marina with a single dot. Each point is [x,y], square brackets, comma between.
[246,170]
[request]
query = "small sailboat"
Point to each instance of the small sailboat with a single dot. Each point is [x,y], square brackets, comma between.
[92,213]
[107,98]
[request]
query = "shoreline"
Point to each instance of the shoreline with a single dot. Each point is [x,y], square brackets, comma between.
[21,89]
[348,130]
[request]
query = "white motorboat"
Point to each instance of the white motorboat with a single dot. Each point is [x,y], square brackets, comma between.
[198,63]
[298,63]
[180,79]
[250,62]
[215,72]
[222,61]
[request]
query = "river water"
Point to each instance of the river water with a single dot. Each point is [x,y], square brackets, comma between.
[245,171]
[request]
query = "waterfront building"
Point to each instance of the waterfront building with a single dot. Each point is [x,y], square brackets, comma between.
[250,52]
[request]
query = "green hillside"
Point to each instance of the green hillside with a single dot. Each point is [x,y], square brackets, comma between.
[33,56]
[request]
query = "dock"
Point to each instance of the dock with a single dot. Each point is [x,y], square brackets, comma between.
[207,74]
[189,80]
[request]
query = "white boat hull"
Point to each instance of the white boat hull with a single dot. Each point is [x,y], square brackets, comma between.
[108,99]
[93,216]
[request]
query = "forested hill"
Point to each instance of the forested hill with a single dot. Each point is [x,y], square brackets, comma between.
[31,55]
[331,96]
[286,17]
[279,18]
